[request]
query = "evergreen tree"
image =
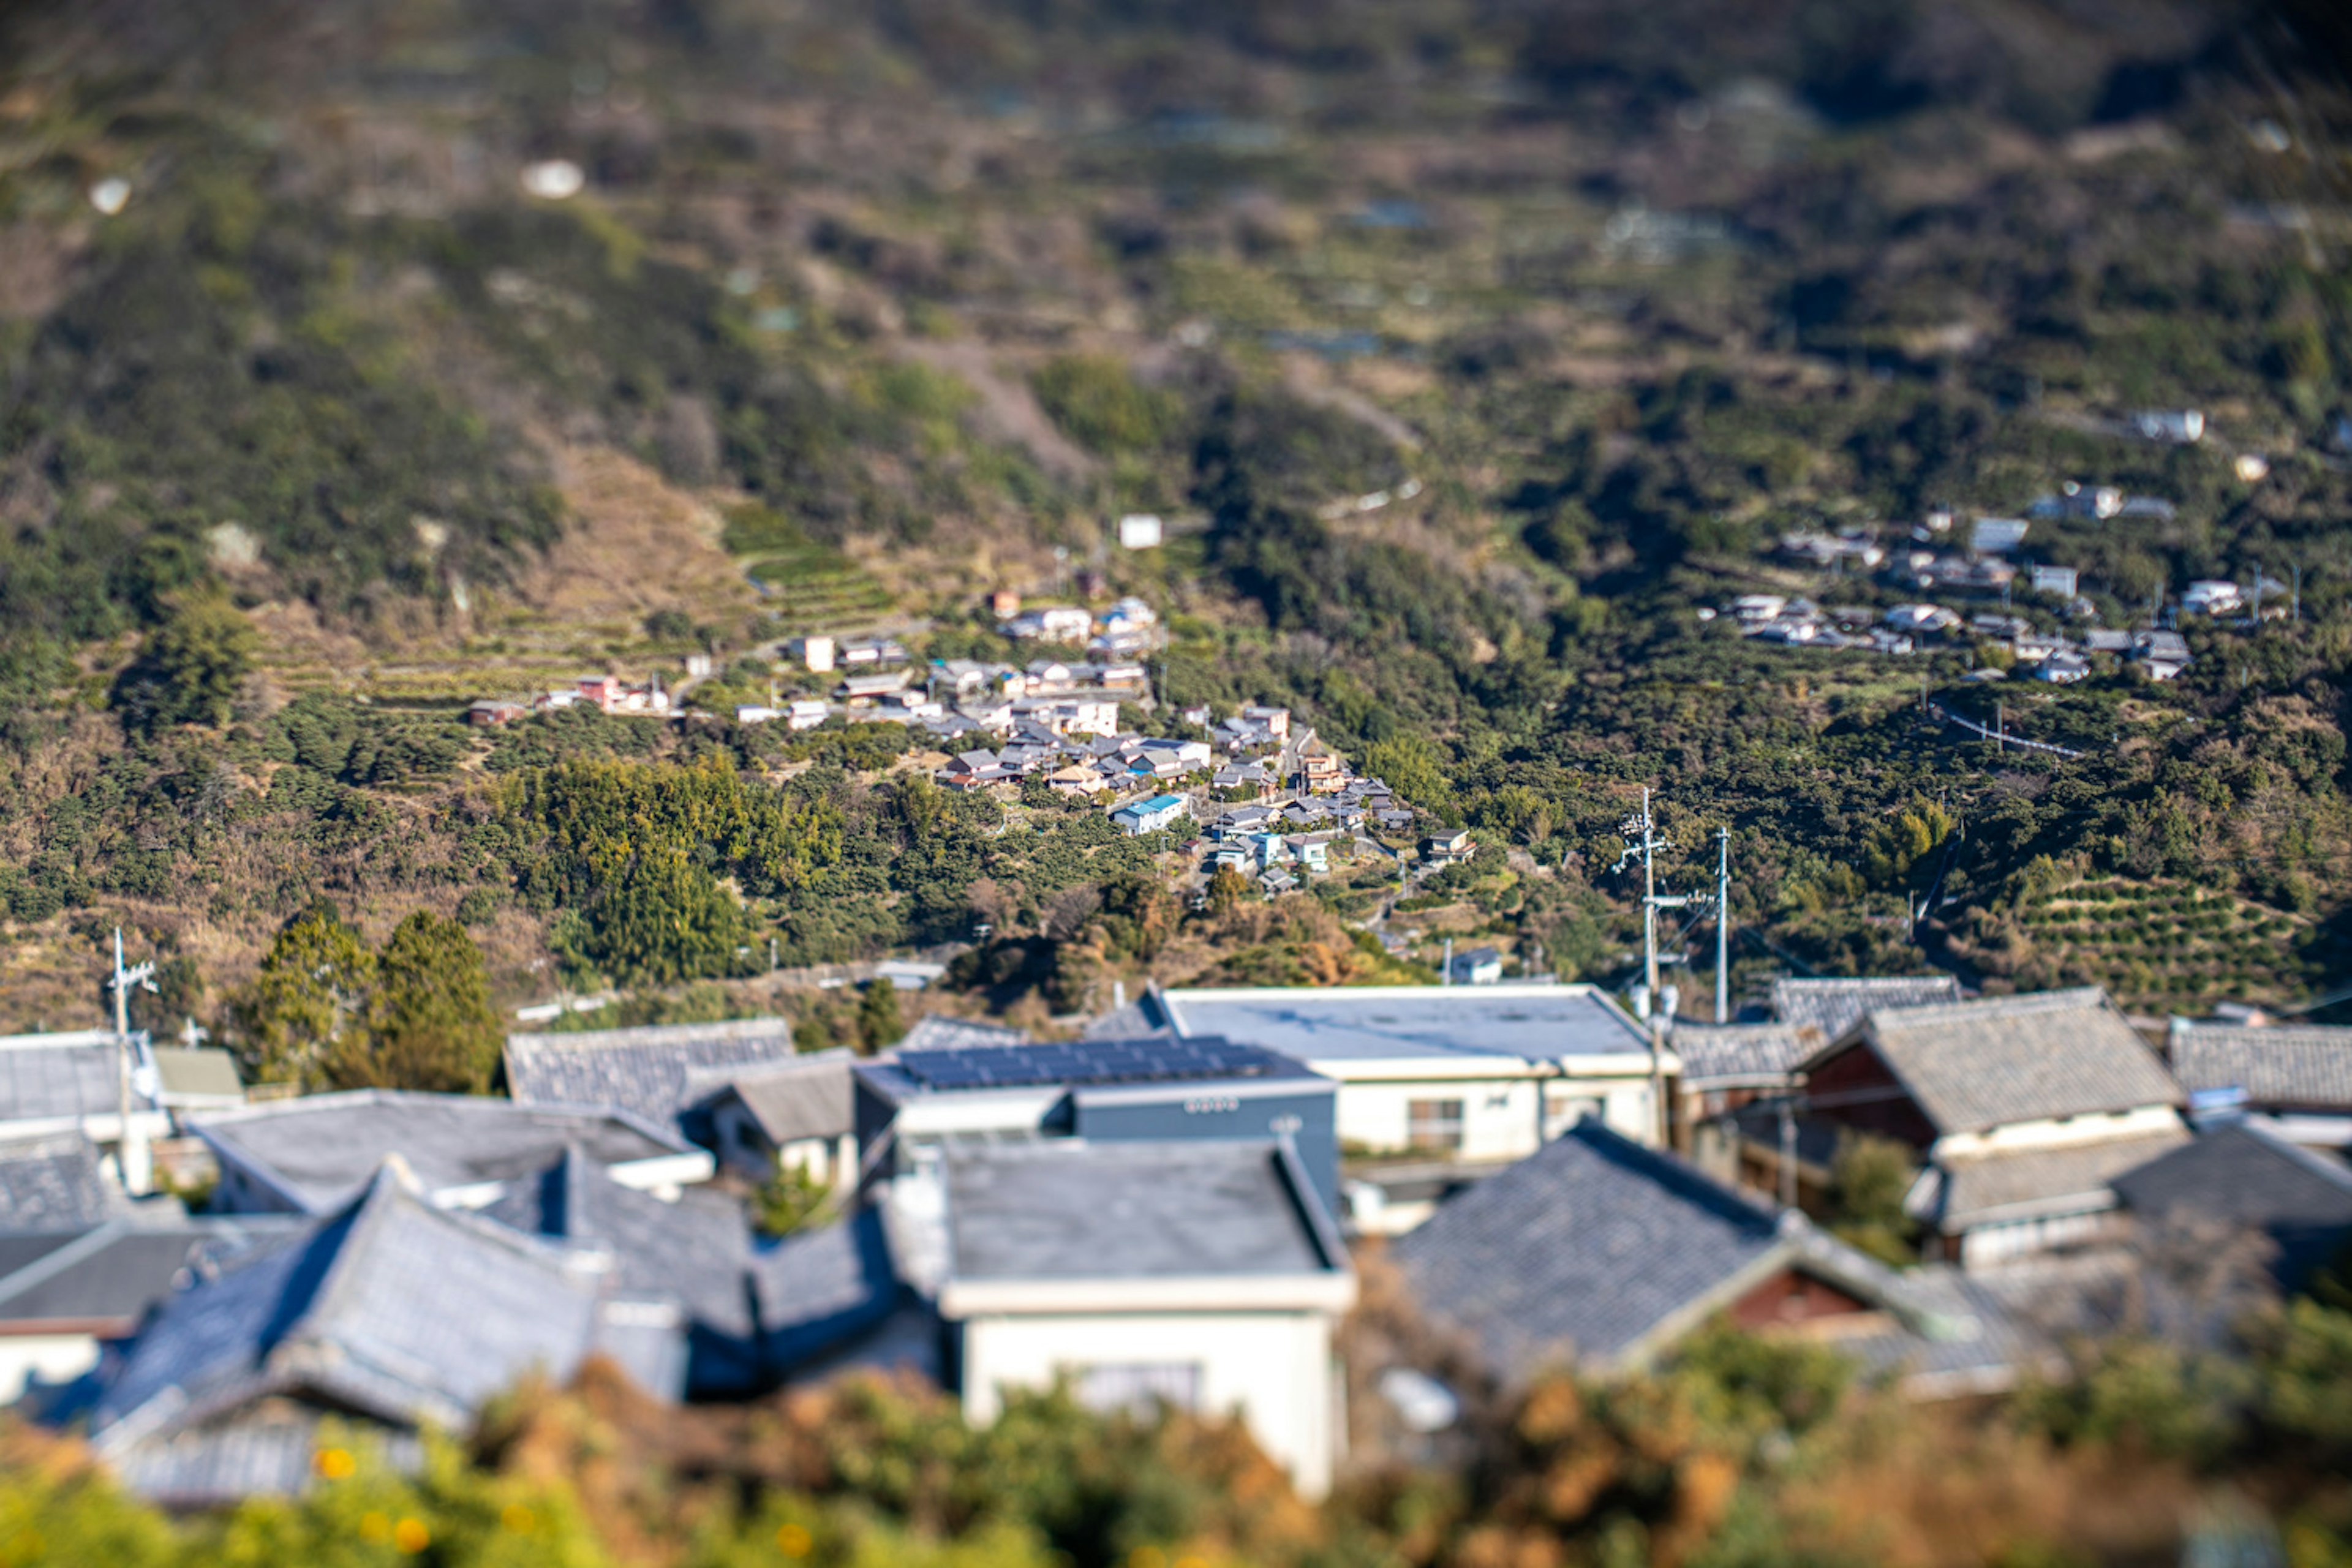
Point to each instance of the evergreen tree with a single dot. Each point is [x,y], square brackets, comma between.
[430,1025]
[878,1024]
[309,995]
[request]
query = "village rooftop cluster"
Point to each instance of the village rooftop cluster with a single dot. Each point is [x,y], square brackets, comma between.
[1166,1207]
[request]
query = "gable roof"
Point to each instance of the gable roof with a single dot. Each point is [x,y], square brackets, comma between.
[1598,1248]
[1971,1066]
[2245,1176]
[389,1307]
[105,1280]
[52,1183]
[813,1096]
[1587,1247]
[1830,1007]
[320,1149]
[1066,1209]
[817,1288]
[2306,1066]
[641,1070]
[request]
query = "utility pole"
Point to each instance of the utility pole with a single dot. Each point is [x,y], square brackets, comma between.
[1641,838]
[133,1168]
[2296,611]
[1723,925]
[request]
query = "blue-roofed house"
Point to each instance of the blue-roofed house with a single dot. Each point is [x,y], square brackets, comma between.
[1153,815]
[1601,1254]
[1462,1076]
[1155,1087]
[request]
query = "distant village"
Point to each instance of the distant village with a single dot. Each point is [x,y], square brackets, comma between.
[2043,624]
[221,1284]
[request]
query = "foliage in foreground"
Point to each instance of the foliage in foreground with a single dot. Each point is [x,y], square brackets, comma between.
[1744,1453]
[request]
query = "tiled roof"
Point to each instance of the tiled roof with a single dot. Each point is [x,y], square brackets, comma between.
[52,1183]
[320,1149]
[1068,1209]
[817,1288]
[205,1071]
[1830,1007]
[1377,1023]
[642,1070]
[391,1308]
[696,1250]
[2244,1176]
[270,1453]
[1719,1055]
[112,1274]
[2306,1066]
[1581,1250]
[809,1097]
[1970,1066]
[2021,1183]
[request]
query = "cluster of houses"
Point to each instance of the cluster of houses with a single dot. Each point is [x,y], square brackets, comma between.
[1157,1211]
[1934,562]
[1128,629]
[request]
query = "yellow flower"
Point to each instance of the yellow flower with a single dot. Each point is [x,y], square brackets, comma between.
[518,1519]
[411,1536]
[1147,1557]
[334,1463]
[794,1541]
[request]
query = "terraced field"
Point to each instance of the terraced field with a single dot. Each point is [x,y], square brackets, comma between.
[815,588]
[2169,947]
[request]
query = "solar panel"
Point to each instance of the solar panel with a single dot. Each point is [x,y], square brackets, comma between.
[1161,1059]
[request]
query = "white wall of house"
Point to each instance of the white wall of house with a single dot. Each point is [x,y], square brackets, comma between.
[1274,1368]
[1502,1117]
[2003,1240]
[52,1358]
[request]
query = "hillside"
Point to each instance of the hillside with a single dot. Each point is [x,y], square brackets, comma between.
[330,427]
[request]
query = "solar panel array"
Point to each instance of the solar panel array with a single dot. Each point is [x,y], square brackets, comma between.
[1160,1060]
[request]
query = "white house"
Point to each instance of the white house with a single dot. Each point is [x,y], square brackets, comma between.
[1460,1075]
[1138,531]
[1203,1273]
[1151,815]
[2212,596]
[1050,623]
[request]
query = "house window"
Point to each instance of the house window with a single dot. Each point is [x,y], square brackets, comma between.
[1136,1387]
[1432,1123]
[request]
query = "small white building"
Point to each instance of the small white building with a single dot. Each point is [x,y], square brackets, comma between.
[1141,816]
[1204,1274]
[1050,623]
[1138,531]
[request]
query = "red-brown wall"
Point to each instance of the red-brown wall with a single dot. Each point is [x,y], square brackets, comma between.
[1790,1296]
[1855,1089]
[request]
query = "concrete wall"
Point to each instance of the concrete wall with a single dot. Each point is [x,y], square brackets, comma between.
[1273,1368]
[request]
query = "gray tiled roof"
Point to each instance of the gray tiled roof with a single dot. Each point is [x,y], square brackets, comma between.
[2244,1177]
[696,1250]
[1729,1055]
[2304,1065]
[270,1453]
[1828,1007]
[1598,1249]
[1974,1343]
[1970,1066]
[810,1097]
[641,1070]
[322,1148]
[55,1077]
[391,1308]
[2021,1183]
[1068,1209]
[52,1183]
[1581,1250]
[817,1288]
